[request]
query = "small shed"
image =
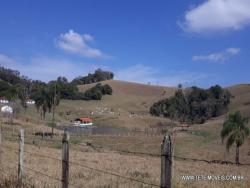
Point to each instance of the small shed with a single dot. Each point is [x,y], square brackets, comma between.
[84,121]
[7,109]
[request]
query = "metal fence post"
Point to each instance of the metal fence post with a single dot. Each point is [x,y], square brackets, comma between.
[166,162]
[65,160]
[20,161]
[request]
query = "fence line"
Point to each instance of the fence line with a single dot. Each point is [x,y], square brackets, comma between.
[222,162]
[166,161]
[84,166]
[114,174]
[73,163]
[118,151]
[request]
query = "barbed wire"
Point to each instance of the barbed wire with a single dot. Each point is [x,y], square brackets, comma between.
[36,171]
[43,156]
[116,150]
[147,154]
[114,174]
[221,162]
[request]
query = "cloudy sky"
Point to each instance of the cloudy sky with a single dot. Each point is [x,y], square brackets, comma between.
[195,42]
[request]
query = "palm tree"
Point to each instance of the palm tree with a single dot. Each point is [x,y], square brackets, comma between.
[236,130]
[43,102]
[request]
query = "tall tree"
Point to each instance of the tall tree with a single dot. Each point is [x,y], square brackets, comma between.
[235,130]
[42,104]
[54,99]
[22,92]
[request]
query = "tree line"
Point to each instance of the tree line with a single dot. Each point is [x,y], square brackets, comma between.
[14,86]
[98,76]
[195,105]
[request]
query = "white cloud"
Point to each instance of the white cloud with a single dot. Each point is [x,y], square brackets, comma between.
[233,51]
[219,56]
[217,15]
[5,60]
[145,74]
[47,68]
[75,43]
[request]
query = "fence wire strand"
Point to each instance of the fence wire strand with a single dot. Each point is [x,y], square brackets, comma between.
[114,174]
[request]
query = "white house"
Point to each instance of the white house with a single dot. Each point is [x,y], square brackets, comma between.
[7,109]
[4,100]
[30,102]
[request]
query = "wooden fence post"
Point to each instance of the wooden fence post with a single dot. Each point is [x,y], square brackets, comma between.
[65,160]
[166,162]
[20,161]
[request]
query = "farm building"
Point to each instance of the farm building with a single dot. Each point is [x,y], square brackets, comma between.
[30,102]
[3,100]
[7,110]
[84,121]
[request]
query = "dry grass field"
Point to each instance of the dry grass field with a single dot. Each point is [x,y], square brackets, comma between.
[198,142]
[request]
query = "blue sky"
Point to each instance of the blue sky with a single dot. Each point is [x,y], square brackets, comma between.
[196,42]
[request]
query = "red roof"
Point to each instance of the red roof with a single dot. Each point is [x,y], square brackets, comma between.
[84,119]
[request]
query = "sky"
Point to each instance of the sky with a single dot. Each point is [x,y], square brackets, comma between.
[161,42]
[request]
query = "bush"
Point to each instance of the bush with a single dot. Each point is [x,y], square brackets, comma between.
[96,92]
[108,89]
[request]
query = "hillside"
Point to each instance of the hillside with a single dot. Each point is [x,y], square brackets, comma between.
[129,94]
[129,105]
[241,98]
[199,141]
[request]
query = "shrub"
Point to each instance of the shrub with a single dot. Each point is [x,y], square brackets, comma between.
[96,92]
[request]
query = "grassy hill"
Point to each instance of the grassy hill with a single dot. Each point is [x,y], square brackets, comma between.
[129,105]
[241,98]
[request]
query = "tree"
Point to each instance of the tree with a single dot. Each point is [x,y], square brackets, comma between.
[235,130]
[195,105]
[43,103]
[97,76]
[54,99]
[22,93]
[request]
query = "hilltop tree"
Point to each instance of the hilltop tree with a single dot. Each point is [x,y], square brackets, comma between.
[235,130]
[97,76]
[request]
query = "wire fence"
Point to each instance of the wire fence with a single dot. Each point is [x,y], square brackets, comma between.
[28,152]
[10,136]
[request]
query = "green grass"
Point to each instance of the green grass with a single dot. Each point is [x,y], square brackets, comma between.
[57,145]
[206,137]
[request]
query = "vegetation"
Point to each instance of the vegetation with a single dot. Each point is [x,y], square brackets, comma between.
[98,76]
[236,130]
[195,106]
[96,92]
[13,86]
